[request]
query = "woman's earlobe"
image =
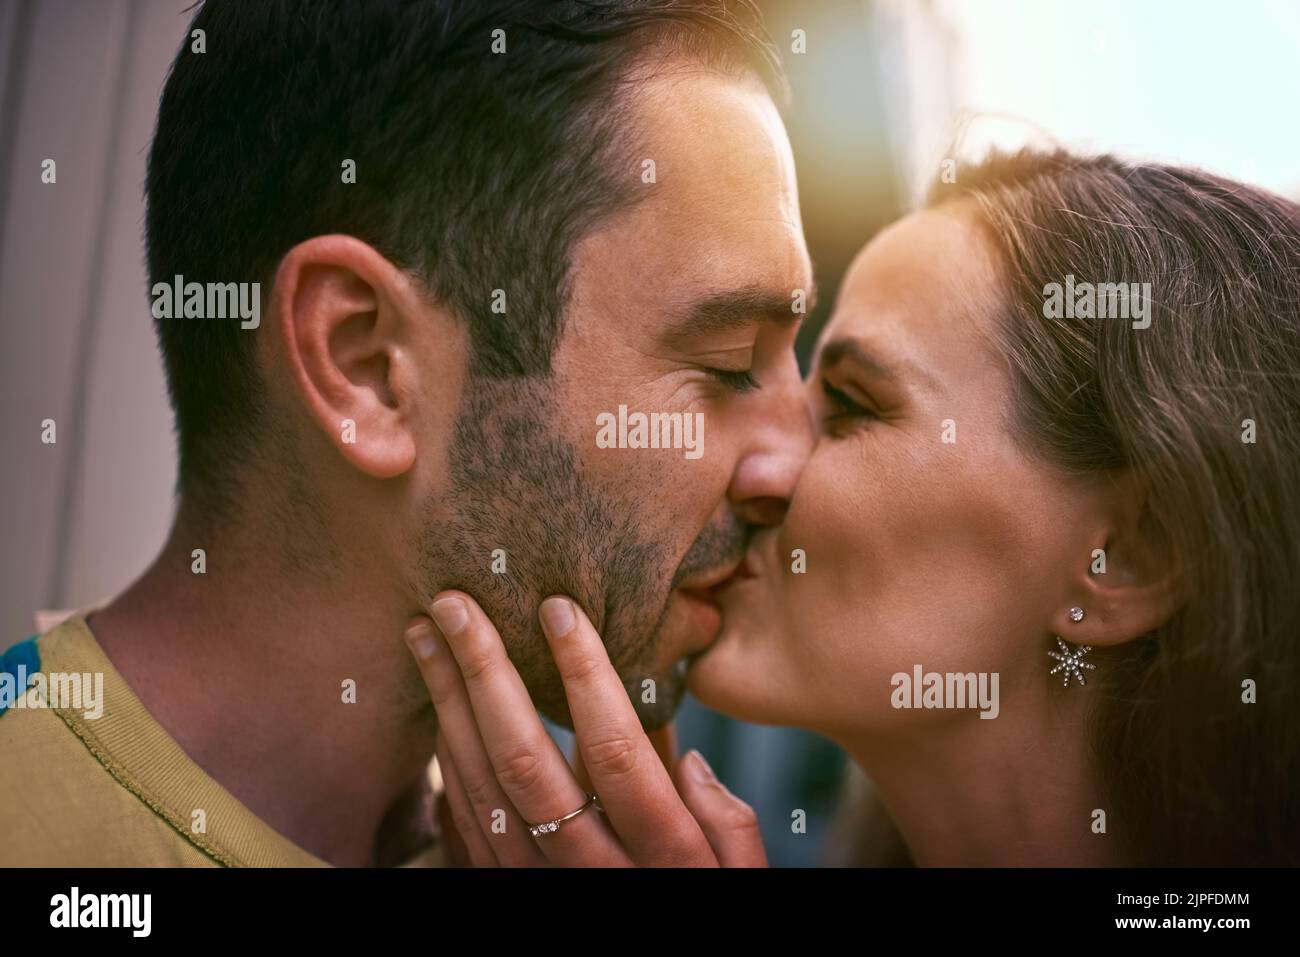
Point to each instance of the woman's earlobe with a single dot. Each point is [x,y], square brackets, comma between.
[1120,604]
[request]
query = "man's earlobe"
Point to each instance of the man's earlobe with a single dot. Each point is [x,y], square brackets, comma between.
[347,326]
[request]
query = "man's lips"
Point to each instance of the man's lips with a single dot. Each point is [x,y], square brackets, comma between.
[708,587]
[704,594]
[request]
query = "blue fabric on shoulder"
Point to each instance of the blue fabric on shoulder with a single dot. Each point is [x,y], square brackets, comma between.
[24,654]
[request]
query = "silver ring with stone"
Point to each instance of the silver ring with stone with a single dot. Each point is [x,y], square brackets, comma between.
[550,827]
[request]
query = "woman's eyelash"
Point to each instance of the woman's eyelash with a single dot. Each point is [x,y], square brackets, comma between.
[738,381]
[848,408]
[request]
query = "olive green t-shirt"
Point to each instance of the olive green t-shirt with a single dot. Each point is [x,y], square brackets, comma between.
[102,784]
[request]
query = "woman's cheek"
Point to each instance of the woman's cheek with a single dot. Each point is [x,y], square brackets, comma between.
[825,545]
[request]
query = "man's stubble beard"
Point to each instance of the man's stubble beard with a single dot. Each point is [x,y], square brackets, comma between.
[516,484]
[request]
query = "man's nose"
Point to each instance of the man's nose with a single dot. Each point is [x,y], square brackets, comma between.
[779,444]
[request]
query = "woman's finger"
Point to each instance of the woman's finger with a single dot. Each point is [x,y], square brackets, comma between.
[528,767]
[462,814]
[664,741]
[490,809]
[635,790]
[730,824]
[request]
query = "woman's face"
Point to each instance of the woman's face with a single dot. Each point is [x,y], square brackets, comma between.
[930,538]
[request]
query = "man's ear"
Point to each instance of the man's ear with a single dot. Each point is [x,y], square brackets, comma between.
[1133,582]
[349,326]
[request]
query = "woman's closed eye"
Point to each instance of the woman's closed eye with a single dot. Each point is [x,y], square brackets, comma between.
[842,408]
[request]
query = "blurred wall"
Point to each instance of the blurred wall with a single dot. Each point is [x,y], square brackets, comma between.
[83,516]
[846,87]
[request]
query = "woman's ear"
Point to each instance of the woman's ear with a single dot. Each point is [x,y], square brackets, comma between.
[1133,582]
[349,328]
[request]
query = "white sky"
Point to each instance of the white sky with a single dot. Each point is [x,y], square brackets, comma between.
[1200,82]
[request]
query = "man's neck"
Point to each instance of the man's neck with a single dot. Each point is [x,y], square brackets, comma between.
[295,692]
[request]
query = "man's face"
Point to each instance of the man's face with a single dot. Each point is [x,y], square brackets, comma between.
[677,304]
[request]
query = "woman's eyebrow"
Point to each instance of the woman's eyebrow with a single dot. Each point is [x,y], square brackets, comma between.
[900,373]
[836,350]
[721,312]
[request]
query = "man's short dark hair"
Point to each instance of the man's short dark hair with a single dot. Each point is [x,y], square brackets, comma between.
[475,170]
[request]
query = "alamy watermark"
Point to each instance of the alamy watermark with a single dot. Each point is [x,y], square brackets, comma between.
[653,430]
[1105,300]
[75,909]
[64,691]
[931,689]
[212,300]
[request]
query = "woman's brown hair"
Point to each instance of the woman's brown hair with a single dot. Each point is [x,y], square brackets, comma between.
[1203,408]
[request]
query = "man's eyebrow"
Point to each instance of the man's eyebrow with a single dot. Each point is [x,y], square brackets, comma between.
[741,307]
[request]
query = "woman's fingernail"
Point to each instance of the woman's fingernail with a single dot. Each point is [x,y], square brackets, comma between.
[450,614]
[557,616]
[422,641]
[700,769]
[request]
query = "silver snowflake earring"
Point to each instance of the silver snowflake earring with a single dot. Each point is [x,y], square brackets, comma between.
[1071,662]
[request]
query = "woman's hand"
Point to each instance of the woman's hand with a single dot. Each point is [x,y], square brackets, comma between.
[503,772]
